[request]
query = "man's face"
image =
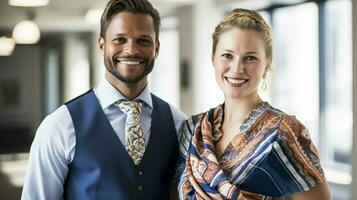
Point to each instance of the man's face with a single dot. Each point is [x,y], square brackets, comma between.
[129,46]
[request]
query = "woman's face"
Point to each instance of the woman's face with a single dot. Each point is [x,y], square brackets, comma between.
[240,62]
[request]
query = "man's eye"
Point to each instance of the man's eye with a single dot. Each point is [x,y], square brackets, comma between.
[119,40]
[144,42]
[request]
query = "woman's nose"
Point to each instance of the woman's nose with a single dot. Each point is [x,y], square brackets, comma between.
[237,66]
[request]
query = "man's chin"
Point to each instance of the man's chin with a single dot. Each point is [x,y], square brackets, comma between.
[130,80]
[128,76]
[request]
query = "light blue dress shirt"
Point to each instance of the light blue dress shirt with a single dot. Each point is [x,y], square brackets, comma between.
[54,144]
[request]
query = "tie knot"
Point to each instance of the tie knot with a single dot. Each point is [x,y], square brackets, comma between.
[129,107]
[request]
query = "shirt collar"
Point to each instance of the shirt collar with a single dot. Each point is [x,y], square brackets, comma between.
[108,94]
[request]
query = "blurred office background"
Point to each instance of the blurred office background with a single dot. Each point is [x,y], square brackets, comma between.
[313,75]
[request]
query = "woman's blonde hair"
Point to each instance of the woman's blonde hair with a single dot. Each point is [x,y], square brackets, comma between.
[244,19]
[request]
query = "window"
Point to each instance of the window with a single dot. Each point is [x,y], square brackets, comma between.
[312,73]
[337,90]
[295,72]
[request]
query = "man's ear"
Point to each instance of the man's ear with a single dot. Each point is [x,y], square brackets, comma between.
[101,44]
[157,48]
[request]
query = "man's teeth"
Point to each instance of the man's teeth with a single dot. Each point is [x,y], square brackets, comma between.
[129,62]
[236,81]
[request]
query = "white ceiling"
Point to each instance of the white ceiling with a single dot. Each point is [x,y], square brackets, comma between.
[67,15]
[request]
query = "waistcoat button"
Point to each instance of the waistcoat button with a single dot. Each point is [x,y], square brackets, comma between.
[140,173]
[140,188]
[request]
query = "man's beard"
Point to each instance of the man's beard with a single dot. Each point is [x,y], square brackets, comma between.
[110,66]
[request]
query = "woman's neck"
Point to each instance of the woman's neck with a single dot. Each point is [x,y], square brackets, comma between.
[236,110]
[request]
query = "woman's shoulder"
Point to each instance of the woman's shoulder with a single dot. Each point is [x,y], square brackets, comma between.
[291,131]
[295,135]
[276,112]
[267,118]
[197,118]
[296,142]
[287,122]
[187,129]
[290,126]
[192,120]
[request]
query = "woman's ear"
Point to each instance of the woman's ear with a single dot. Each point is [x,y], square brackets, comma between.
[212,59]
[267,67]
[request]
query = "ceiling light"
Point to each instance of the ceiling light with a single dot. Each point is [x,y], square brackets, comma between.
[28,3]
[180,1]
[7,45]
[26,32]
[93,16]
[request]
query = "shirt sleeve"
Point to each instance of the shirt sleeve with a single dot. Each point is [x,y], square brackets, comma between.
[49,157]
[185,136]
[179,117]
[301,153]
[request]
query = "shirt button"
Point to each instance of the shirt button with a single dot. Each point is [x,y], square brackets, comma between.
[140,187]
[140,173]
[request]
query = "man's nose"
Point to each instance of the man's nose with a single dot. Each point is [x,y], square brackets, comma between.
[130,48]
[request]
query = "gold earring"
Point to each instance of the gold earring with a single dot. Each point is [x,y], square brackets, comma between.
[264,85]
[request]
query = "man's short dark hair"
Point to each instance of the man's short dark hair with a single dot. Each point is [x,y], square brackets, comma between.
[133,6]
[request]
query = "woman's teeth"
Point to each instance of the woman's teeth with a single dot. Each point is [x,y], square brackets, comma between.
[236,81]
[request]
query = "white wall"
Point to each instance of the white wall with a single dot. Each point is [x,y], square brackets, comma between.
[185,28]
[164,79]
[206,92]
[196,25]
[98,68]
[76,66]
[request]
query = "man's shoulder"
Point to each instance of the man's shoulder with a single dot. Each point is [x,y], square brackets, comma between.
[177,112]
[158,99]
[54,127]
[60,115]
[75,99]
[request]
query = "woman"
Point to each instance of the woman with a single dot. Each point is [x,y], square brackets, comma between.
[245,148]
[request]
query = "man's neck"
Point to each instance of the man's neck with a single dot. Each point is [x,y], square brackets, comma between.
[128,90]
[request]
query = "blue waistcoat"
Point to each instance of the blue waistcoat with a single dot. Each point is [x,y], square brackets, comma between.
[101,167]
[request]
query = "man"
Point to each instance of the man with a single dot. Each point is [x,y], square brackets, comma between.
[117,141]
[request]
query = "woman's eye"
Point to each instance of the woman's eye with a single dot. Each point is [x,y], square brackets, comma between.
[227,55]
[250,58]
